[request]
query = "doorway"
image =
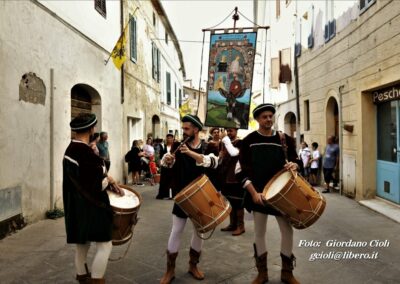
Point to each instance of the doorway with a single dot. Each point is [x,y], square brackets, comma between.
[290,124]
[388,160]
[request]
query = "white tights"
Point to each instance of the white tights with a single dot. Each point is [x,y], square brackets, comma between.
[260,229]
[178,225]
[100,260]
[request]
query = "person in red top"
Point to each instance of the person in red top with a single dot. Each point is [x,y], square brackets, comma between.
[153,169]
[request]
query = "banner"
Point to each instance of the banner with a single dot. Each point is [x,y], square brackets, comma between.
[230,74]
[118,54]
[185,109]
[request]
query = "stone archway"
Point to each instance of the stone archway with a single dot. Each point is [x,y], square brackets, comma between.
[156,126]
[86,99]
[332,118]
[290,124]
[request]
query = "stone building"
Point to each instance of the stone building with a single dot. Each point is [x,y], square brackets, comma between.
[348,85]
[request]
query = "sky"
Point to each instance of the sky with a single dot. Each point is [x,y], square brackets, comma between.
[189,17]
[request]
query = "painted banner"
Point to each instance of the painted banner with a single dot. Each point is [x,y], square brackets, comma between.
[230,74]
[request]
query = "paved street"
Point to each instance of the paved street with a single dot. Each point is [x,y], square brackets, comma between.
[38,253]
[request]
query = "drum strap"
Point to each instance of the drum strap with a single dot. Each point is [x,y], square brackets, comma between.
[283,143]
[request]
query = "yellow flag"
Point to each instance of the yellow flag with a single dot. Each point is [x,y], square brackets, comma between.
[184,109]
[252,121]
[119,52]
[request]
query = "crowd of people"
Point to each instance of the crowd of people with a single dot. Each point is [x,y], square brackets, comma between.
[311,163]
[239,169]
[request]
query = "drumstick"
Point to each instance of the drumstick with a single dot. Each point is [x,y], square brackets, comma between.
[291,170]
[180,145]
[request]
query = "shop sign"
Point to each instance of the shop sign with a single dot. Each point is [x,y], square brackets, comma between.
[387,94]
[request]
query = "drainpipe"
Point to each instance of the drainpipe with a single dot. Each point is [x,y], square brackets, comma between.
[341,140]
[296,82]
[122,67]
[51,139]
[125,178]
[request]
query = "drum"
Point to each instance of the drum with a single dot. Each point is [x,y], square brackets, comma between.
[203,204]
[295,198]
[125,210]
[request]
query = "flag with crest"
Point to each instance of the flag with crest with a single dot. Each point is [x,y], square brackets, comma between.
[119,52]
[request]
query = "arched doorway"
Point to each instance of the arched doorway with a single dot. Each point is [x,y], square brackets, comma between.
[156,126]
[86,99]
[332,118]
[290,124]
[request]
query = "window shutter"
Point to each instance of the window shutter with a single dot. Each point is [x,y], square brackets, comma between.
[362,4]
[285,71]
[332,29]
[158,66]
[153,58]
[326,33]
[275,73]
[133,39]
[100,6]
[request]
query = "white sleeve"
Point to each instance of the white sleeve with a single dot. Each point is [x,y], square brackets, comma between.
[233,151]
[209,161]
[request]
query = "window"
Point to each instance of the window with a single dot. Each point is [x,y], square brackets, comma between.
[330,30]
[133,40]
[330,26]
[278,8]
[168,79]
[154,19]
[306,115]
[176,98]
[155,62]
[166,37]
[180,97]
[100,6]
[365,4]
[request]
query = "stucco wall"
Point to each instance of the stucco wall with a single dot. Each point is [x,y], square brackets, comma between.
[359,58]
[33,40]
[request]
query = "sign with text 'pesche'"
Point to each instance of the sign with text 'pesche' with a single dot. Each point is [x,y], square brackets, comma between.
[386,94]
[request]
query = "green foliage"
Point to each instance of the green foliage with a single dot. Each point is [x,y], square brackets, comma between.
[55,213]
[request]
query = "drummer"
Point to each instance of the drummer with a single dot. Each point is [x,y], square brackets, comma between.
[188,163]
[262,155]
[88,215]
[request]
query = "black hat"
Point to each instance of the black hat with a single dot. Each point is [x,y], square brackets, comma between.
[193,119]
[263,107]
[83,121]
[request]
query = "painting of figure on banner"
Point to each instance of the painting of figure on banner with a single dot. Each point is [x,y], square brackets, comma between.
[230,74]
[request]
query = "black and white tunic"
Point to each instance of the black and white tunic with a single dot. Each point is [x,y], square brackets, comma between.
[260,158]
[88,215]
[185,170]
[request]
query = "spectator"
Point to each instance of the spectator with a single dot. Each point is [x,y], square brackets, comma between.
[134,163]
[304,156]
[314,164]
[102,145]
[331,161]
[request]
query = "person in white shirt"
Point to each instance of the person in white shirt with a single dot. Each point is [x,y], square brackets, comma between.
[314,163]
[304,155]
